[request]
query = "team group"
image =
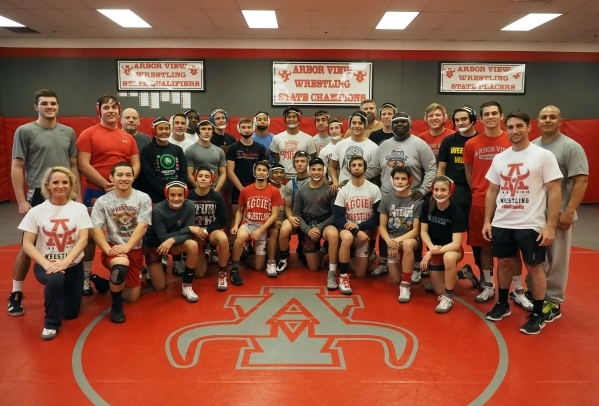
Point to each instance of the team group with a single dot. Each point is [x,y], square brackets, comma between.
[194,192]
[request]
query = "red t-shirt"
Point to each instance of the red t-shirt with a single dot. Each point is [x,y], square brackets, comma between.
[107,148]
[434,141]
[479,152]
[258,203]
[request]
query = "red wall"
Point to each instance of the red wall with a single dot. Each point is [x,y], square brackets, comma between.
[582,131]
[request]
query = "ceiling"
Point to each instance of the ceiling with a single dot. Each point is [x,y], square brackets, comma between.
[439,20]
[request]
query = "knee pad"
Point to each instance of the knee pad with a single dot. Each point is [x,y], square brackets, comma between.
[118,274]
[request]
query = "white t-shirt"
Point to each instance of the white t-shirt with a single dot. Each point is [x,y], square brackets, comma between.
[347,148]
[186,143]
[521,176]
[326,154]
[358,201]
[191,137]
[286,145]
[57,228]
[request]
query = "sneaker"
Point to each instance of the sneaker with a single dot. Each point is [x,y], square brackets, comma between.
[214,257]
[102,285]
[221,285]
[429,287]
[344,286]
[499,311]
[148,278]
[281,266]
[534,325]
[381,269]
[14,304]
[178,268]
[87,290]
[372,257]
[487,293]
[551,311]
[528,294]
[469,275]
[246,252]
[48,333]
[424,274]
[116,313]
[445,304]
[208,257]
[189,294]
[404,293]
[332,281]
[235,278]
[518,296]
[271,270]
[416,276]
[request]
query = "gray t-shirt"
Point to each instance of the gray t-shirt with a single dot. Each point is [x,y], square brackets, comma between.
[121,215]
[288,193]
[314,207]
[142,140]
[42,148]
[572,161]
[401,212]
[211,156]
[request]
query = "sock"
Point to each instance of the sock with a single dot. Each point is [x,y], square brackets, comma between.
[372,245]
[17,286]
[188,275]
[503,295]
[222,269]
[117,297]
[537,306]
[87,270]
[382,260]
[235,264]
[517,282]
[332,267]
[488,276]
[343,268]
[448,292]
[406,277]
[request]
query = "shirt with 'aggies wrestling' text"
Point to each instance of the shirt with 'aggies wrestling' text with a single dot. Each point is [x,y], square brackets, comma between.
[442,224]
[258,203]
[359,204]
[211,212]
[401,212]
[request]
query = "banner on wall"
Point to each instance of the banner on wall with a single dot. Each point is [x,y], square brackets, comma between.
[321,83]
[161,75]
[482,77]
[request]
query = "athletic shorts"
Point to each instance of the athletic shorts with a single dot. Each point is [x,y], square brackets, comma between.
[507,241]
[260,245]
[235,193]
[476,220]
[34,196]
[91,195]
[397,259]
[436,262]
[136,260]
[309,245]
[151,255]
[360,248]
[226,191]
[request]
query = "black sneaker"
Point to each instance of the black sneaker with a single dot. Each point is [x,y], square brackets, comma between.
[102,285]
[551,311]
[499,311]
[116,313]
[466,273]
[14,304]
[534,325]
[235,278]
[88,291]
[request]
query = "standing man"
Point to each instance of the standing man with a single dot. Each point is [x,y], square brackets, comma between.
[368,106]
[206,153]
[101,147]
[321,121]
[220,119]
[478,156]
[574,166]
[524,181]
[130,123]
[178,135]
[386,113]
[262,135]
[435,116]
[335,129]
[38,146]
[286,144]
[193,118]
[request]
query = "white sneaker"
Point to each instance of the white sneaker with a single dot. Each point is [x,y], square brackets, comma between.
[487,293]
[344,286]
[415,277]
[332,281]
[178,268]
[445,304]
[221,285]
[381,269]
[520,298]
[48,334]
[271,269]
[189,294]
[214,257]
[404,293]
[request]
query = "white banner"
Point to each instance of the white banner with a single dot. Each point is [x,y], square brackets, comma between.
[482,78]
[161,75]
[321,83]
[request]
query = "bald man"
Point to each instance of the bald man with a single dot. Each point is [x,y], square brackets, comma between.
[130,122]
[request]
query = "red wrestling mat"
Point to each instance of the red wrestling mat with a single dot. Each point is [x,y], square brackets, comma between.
[289,341]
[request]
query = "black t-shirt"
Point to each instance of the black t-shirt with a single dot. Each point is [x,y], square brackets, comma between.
[245,156]
[222,141]
[452,152]
[211,211]
[442,223]
[379,136]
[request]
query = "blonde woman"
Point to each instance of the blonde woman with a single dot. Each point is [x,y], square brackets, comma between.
[55,234]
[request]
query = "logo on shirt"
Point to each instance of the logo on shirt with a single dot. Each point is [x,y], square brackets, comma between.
[60,236]
[167,161]
[289,149]
[514,180]
[397,157]
[350,152]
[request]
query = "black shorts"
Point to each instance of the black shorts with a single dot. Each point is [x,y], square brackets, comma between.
[34,196]
[308,244]
[235,193]
[506,242]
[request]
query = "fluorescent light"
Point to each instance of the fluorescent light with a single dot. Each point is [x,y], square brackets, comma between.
[396,20]
[530,21]
[5,22]
[260,18]
[125,18]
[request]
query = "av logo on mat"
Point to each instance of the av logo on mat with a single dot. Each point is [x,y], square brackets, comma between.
[292,328]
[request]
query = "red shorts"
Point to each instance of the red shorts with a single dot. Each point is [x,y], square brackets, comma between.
[436,262]
[136,261]
[476,220]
